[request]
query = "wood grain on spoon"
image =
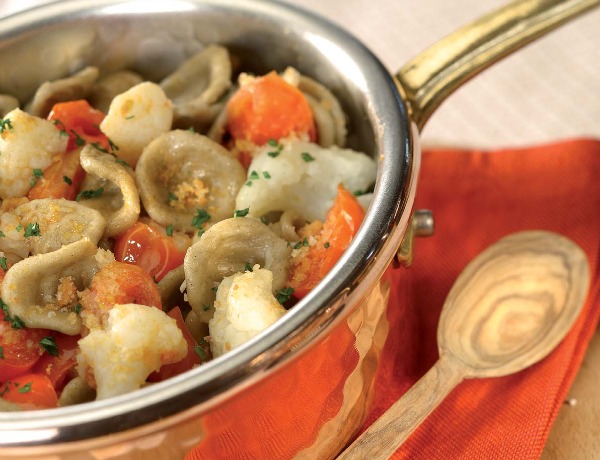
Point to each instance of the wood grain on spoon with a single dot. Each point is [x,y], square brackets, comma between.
[508,309]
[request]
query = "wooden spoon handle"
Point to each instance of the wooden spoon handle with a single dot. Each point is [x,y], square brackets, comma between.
[390,430]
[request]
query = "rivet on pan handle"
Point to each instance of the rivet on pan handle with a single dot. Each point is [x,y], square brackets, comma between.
[421,224]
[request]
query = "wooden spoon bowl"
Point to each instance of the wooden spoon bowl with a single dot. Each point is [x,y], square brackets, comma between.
[507,310]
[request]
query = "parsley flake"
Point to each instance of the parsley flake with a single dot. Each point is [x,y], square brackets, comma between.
[299,244]
[3,263]
[253,175]
[326,245]
[15,321]
[201,352]
[25,388]
[19,227]
[248,267]
[129,117]
[77,308]
[49,344]
[266,175]
[79,141]
[241,212]
[5,124]
[169,230]
[358,192]
[205,307]
[113,146]
[2,235]
[37,174]
[199,219]
[283,295]
[68,180]
[98,147]
[33,229]
[172,197]
[249,183]
[1,352]
[87,194]
[307,157]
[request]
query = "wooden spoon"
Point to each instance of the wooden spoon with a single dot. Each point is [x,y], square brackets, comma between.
[507,310]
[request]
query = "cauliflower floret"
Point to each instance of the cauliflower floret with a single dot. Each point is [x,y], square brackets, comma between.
[244,307]
[135,117]
[137,341]
[302,177]
[26,143]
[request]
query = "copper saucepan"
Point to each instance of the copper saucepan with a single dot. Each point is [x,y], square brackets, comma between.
[301,388]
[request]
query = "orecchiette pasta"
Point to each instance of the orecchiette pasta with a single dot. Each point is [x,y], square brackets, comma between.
[181,172]
[45,225]
[197,86]
[41,290]
[122,209]
[7,104]
[110,86]
[224,250]
[125,229]
[67,89]
[27,143]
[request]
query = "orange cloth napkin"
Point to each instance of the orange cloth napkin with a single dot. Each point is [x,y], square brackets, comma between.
[477,198]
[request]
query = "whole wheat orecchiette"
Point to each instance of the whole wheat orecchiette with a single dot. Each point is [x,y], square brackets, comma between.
[141,235]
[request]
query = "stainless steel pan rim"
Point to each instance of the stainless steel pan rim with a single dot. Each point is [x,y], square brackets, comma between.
[365,260]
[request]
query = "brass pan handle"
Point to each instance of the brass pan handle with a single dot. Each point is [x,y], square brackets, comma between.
[428,79]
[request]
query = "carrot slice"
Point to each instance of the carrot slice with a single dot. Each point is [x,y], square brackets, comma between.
[269,108]
[341,224]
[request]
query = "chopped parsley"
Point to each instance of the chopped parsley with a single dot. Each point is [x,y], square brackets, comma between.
[359,192]
[3,263]
[200,351]
[299,244]
[249,183]
[87,194]
[253,175]
[283,295]
[49,344]
[113,146]
[68,180]
[214,288]
[1,352]
[248,267]
[77,308]
[172,197]
[19,227]
[2,235]
[129,117]
[199,219]
[79,141]
[25,388]
[121,162]
[307,157]
[326,245]
[37,174]
[205,307]
[33,229]
[191,129]
[169,230]
[241,212]
[277,145]
[5,124]
[15,321]
[266,175]
[98,147]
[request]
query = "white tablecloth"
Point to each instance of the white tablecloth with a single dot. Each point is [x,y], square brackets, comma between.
[544,92]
